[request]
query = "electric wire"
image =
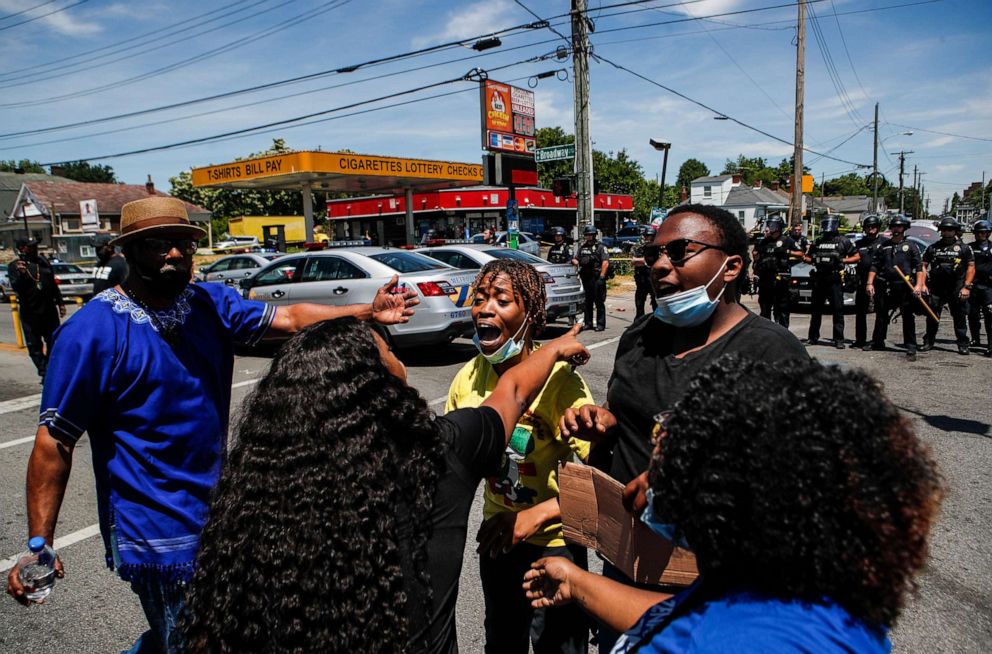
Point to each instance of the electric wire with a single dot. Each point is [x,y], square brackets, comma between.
[933,131]
[832,72]
[29,9]
[40,16]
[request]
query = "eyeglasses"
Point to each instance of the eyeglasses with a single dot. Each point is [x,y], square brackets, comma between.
[660,427]
[163,246]
[677,251]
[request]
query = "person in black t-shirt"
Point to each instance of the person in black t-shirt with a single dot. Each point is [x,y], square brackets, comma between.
[112,269]
[340,520]
[42,307]
[697,260]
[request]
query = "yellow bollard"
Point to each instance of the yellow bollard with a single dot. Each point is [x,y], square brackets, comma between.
[79,300]
[15,312]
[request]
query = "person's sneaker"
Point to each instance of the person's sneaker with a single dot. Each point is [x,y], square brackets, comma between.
[600,329]
[926,346]
[911,355]
[812,341]
[839,345]
[859,344]
[963,349]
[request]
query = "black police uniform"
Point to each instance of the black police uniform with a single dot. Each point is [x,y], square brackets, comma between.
[774,269]
[559,253]
[802,243]
[980,301]
[39,298]
[642,282]
[828,254]
[891,292]
[947,264]
[866,246]
[590,257]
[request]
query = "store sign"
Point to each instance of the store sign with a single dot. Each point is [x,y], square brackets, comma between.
[507,118]
[87,211]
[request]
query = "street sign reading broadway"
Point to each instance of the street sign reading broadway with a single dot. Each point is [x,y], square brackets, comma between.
[555,153]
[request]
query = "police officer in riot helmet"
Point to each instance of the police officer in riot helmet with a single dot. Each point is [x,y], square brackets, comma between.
[981,292]
[829,254]
[950,265]
[559,252]
[866,245]
[593,262]
[773,258]
[642,272]
[888,288]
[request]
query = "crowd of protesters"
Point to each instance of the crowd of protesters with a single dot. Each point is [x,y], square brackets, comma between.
[339,525]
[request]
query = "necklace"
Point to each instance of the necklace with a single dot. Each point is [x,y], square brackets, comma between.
[35,279]
[168,334]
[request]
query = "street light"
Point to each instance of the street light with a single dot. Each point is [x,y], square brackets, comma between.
[664,147]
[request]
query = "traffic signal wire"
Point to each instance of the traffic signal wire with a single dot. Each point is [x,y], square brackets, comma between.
[40,16]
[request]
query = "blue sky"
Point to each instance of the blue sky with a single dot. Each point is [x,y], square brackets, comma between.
[927,66]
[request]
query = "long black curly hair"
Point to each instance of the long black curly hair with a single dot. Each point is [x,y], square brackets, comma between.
[528,288]
[301,551]
[799,481]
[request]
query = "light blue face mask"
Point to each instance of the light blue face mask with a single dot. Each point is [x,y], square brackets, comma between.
[507,350]
[664,529]
[689,308]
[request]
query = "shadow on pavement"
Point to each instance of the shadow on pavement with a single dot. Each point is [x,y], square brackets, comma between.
[950,423]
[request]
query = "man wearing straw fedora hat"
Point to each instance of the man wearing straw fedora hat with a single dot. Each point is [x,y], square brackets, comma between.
[145,368]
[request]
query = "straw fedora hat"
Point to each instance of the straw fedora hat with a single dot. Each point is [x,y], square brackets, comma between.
[153,216]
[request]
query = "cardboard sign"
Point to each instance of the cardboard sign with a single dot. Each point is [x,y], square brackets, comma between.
[593,515]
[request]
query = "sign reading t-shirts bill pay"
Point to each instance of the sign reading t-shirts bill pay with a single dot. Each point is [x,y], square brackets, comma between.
[507,118]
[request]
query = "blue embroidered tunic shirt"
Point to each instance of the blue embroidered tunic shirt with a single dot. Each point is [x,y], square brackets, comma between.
[156,414]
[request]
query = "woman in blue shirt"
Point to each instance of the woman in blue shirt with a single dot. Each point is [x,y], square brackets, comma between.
[807,533]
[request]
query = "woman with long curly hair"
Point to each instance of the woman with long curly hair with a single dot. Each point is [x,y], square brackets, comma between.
[807,533]
[520,504]
[341,514]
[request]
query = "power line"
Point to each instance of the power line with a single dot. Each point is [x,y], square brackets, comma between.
[40,16]
[933,131]
[721,114]
[832,72]
[847,52]
[24,11]
[527,9]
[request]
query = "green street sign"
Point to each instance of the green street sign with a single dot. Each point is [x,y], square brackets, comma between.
[555,153]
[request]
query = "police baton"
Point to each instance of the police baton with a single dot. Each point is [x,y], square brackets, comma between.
[912,288]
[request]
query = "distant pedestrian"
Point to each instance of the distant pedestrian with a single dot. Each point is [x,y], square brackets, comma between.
[593,262]
[145,369]
[40,301]
[950,268]
[112,268]
[888,287]
[981,293]
[867,246]
[829,254]
[642,272]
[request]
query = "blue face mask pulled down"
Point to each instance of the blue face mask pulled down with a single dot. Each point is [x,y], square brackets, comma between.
[664,529]
[689,308]
[511,348]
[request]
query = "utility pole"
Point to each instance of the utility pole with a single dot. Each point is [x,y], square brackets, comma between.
[874,167]
[902,163]
[915,195]
[796,209]
[583,140]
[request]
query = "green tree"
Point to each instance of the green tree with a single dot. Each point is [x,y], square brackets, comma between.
[849,184]
[688,171]
[24,166]
[84,171]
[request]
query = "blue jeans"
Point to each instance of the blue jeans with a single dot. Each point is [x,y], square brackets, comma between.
[162,602]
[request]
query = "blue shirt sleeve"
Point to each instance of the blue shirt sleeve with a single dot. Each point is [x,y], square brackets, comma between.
[77,377]
[247,320]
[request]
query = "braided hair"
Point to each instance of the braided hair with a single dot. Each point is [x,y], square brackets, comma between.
[528,287]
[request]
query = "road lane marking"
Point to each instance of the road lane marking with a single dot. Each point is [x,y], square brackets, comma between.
[602,343]
[20,403]
[19,441]
[65,541]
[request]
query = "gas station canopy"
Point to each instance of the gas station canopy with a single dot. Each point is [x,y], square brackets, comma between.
[339,171]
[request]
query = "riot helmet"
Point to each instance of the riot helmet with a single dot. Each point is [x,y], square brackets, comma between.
[589,230]
[829,224]
[558,231]
[948,222]
[775,224]
[982,226]
[870,221]
[899,220]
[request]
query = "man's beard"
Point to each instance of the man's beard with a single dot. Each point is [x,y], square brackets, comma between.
[167,281]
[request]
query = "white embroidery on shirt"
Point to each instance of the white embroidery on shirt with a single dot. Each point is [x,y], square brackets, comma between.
[169,319]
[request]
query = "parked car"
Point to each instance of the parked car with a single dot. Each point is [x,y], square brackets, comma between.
[561,280]
[236,244]
[626,238]
[73,281]
[526,242]
[233,269]
[5,290]
[353,275]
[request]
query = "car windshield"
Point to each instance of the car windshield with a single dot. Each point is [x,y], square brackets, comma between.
[516,255]
[66,269]
[408,262]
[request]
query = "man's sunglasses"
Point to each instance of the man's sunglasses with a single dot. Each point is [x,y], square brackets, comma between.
[677,251]
[163,246]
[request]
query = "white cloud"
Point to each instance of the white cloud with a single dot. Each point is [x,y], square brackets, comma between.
[478,18]
[948,168]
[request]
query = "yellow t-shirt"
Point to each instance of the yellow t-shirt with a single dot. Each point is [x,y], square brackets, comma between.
[529,474]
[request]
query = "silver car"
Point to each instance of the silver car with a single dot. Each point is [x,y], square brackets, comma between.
[353,275]
[73,281]
[234,268]
[561,280]
[526,242]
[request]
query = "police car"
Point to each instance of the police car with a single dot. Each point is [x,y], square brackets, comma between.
[353,275]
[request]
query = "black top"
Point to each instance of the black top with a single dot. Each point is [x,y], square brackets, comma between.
[947,262]
[37,292]
[109,274]
[867,247]
[828,253]
[591,257]
[648,379]
[905,255]
[559,253]
[983,262]
[474,440]
[773,255]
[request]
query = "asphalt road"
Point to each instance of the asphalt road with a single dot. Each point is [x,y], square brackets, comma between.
[947,395]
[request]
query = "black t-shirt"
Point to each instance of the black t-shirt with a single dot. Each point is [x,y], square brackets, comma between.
[109,274]
[648,379]
[474,440]
[37,292]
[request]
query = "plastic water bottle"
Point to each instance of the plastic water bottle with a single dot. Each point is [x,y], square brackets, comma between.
[37,569]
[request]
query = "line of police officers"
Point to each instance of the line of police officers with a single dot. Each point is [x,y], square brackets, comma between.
[891,275]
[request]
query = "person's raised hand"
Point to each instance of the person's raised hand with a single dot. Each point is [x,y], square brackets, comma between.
[635,497]
[568,348]
[588,422]
[549,582]
[16,589]
[390,307]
